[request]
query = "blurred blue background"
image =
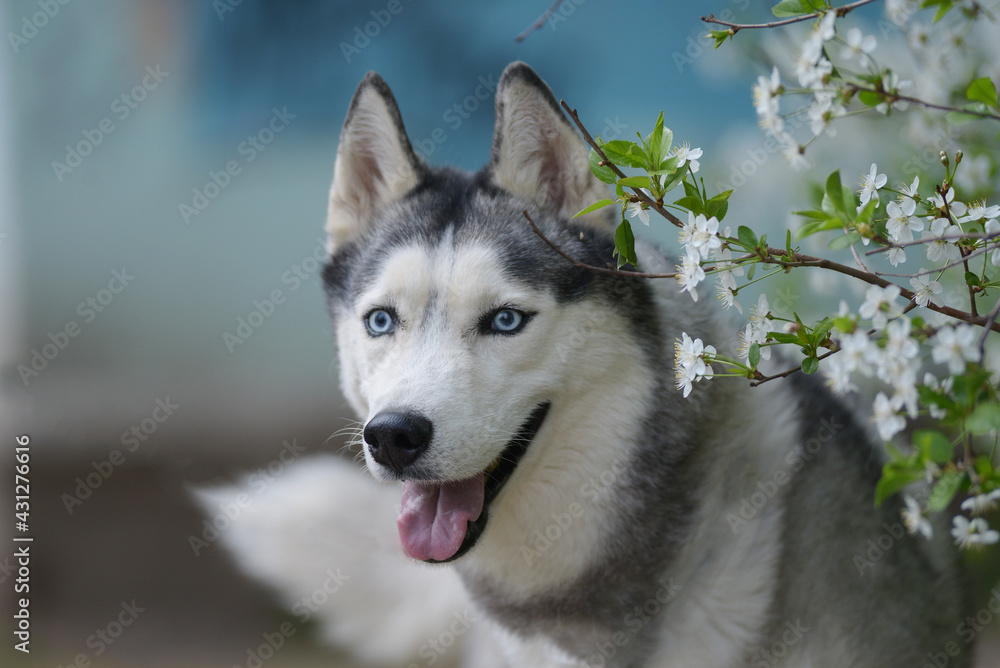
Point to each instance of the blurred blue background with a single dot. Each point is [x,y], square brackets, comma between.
[163,184]
[182,90]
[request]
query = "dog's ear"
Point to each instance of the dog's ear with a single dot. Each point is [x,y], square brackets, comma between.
[375,162]
[537,154]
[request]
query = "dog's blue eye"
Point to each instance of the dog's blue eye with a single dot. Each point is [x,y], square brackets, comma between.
[380,322]
[507,321]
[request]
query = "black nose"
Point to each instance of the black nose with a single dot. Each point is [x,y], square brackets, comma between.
[396,439]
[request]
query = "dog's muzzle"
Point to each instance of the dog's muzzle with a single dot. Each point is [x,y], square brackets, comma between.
[442,520]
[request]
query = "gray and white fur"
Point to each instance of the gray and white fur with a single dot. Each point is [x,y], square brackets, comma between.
[639,529]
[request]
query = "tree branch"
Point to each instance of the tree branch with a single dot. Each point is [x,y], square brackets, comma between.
[736,27]
[946,237]
[590,267]
[540,22]
[893,97]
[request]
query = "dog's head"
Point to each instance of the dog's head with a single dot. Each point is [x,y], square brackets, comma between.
[455,321]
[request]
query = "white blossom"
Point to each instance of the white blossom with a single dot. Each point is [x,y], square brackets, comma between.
[690,272]
[636,210]
[924,290]
[689,362]
[973,533]
[870,183]
[939,248]
[686,154]
[858,46]
[838,373]
[879,305]
[914,520]
[701,234]
[992,227]
[955,346]
[885,418]
[981,503]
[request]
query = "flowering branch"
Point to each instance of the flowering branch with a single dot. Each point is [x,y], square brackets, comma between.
[736,27]
[605,162]
[768,255]
[964,407]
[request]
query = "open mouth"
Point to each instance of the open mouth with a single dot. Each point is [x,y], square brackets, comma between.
[440,522]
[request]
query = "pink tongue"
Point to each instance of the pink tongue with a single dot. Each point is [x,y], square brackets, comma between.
[433,518]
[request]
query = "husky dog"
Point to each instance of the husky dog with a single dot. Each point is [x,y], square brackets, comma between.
[522,417]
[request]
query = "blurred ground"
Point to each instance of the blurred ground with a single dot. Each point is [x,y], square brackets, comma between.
[193,611]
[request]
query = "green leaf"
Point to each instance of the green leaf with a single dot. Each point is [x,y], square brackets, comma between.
[820,226]
[675,178]
[944,490]
[982,90]
[844,241]
[634,182]
[833,185]
[849,202]
[871,98]
[667,166]
[812,213]
[810,365]
[625,244]
[787,8]
[944,6]
[932,445]
[720,36]
[866,213]
[958,118]
[595,206]
[983,419]
[844,324]
[750,271]
[782,337]
[603,172]
[820,330]
[626,153]
[657,149]
[718,205]
[753,356]
[972,279]
[692,204]
[838,198]
[746,236]
[691,190]
[895,476]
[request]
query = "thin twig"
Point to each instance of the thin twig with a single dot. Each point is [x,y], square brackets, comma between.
[895,97]
[857,258]
[736,27]
[942,192]
[946,237]
[978,251]
[591,267]
[991,318]
[789,372]
[540,22]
